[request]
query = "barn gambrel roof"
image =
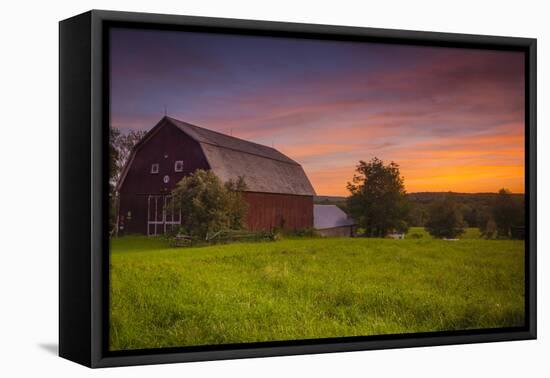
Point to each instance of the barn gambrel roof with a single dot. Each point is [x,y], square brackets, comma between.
[264,169]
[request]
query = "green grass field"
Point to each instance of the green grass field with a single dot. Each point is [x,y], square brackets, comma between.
[310,288]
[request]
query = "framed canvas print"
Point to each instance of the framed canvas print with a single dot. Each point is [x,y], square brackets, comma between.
[233,188]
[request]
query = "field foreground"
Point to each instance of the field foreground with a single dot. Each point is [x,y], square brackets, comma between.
[309,288]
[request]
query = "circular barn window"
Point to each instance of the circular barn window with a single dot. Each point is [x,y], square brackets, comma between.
[166,179]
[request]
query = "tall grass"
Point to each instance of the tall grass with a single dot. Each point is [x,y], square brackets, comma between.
[309,288]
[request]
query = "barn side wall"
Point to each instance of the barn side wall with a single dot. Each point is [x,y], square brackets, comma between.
[165,147]
[267,211]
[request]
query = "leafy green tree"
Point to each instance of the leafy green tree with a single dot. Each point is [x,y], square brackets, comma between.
[208,205]
[237,205]
[418,214]
[114,155]
[114,171]
[120,147]
[485,222]
[445,219]
[489,230]
[378,200]
[507,213]
[470,214]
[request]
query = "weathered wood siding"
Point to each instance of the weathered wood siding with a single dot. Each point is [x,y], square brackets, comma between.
[165,147]
[267,211]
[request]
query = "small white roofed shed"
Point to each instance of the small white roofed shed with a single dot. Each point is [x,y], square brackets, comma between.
[330,220]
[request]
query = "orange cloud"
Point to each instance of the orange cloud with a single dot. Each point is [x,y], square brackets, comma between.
[455,178]
[465,178]
[305,151]
[473,163]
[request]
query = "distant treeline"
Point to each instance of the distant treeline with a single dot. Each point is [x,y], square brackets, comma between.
[476,209]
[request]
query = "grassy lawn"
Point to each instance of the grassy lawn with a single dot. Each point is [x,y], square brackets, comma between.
[310,288]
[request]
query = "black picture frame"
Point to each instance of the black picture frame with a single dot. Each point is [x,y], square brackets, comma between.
[83,202]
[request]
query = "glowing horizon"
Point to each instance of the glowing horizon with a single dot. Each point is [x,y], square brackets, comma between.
[453,119]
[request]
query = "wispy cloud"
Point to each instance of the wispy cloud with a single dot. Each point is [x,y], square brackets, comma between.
[452,118]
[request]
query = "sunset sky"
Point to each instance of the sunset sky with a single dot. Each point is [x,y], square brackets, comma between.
[453,119]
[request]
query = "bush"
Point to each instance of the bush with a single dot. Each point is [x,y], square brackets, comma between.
[507,213]
[445,219]
[209,205]
[489,230]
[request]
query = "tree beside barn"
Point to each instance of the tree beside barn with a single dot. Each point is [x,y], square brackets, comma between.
[208,204]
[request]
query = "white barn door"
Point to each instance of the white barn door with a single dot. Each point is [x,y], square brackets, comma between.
[172,214]
[162,214]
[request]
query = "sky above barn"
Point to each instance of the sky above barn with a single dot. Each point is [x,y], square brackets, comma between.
[453,119]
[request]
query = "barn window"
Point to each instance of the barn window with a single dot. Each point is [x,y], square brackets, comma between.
[155,168]
[178,166]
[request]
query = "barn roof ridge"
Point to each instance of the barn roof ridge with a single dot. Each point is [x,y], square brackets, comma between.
[274,155]
[251,153]
[266,170]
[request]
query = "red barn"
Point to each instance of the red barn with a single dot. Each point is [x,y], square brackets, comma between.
[278,194]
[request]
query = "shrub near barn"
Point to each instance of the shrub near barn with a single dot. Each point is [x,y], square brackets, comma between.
[209,205]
